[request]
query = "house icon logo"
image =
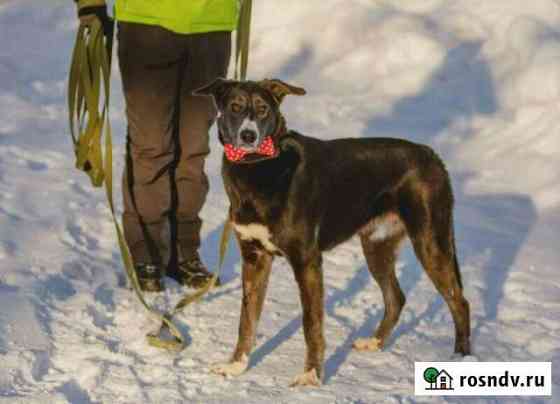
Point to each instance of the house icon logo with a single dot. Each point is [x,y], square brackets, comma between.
[438,379]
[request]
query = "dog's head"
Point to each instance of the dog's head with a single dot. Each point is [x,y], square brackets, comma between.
[249,119]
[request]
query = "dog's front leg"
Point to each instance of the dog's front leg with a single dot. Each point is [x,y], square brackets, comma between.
[256,270]
[309,277]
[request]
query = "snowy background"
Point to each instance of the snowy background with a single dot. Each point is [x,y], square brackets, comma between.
[478,80]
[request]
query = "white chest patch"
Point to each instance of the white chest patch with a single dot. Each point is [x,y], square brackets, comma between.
[256,231]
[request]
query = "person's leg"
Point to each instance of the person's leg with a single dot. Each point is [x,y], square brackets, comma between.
[191,180]
[208,58]
[151,61]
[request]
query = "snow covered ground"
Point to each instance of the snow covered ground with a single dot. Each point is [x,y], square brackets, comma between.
[478,80]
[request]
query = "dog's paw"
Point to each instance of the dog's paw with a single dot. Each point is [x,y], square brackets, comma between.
[231,368]
[367,344]
[309,378]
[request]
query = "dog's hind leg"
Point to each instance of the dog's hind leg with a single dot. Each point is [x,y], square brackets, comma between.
[430,228]
[255,273]
[381,256]
[442,269]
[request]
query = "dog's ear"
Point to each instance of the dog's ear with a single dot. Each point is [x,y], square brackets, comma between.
[218,89]
[280,89]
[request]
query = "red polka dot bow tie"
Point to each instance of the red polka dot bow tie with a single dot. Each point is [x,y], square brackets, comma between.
[236,154]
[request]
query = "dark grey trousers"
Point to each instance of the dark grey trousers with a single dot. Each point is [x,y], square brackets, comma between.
[164,180]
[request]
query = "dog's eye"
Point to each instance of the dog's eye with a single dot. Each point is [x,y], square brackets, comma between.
[262,111]
[236,107]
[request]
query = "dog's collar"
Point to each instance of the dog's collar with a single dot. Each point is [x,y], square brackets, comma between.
[268,150]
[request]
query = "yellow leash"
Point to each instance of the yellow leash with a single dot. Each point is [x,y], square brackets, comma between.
[156,339]
[89,75]
[242,40]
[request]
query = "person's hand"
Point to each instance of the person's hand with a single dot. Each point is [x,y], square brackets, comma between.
[88,10]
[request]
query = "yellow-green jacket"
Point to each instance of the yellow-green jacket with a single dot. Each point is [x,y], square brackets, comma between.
[182,16]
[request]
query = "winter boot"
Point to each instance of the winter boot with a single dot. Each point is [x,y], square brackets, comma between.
[192,272]
[149,277]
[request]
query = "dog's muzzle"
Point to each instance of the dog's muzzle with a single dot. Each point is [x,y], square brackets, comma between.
[248,136]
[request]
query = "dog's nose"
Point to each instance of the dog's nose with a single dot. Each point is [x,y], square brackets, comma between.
[248,136]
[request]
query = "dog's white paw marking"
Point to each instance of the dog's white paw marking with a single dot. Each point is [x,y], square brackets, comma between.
[235,368]
[308,378]
[256,231]
[367,344]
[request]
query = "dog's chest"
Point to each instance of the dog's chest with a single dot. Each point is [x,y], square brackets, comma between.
[256,232]
[252,220]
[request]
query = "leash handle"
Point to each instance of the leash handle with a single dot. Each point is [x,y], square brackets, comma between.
[107,23]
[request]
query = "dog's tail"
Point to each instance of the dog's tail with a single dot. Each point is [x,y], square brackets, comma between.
[441,175]
[456,263]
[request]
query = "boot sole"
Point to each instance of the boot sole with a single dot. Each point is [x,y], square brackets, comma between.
[151,285]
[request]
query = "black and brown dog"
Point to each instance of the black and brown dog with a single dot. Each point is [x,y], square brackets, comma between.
[296,196]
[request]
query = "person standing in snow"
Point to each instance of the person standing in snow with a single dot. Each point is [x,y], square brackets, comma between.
[166,50]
